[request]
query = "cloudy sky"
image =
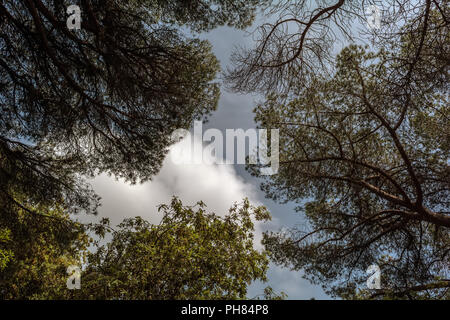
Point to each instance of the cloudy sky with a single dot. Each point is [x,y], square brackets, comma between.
[219,186]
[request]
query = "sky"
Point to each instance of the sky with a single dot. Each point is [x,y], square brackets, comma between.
[218,186]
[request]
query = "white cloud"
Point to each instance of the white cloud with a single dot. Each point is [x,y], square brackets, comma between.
[218,186]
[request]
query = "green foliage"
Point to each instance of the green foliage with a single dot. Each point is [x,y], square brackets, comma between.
[5,255]
[270,294]
[191,254]
[40,243]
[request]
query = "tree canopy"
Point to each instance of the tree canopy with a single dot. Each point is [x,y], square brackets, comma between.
[40,243]
[190,254]
[364,148]
[105,98]
[300,38]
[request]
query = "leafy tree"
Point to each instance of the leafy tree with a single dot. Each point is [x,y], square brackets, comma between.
[366,146]
[5,255]
[191,254]
[104,98]
[41,244]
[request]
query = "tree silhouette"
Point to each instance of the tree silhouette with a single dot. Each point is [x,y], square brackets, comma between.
[104,98]
[364,144]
